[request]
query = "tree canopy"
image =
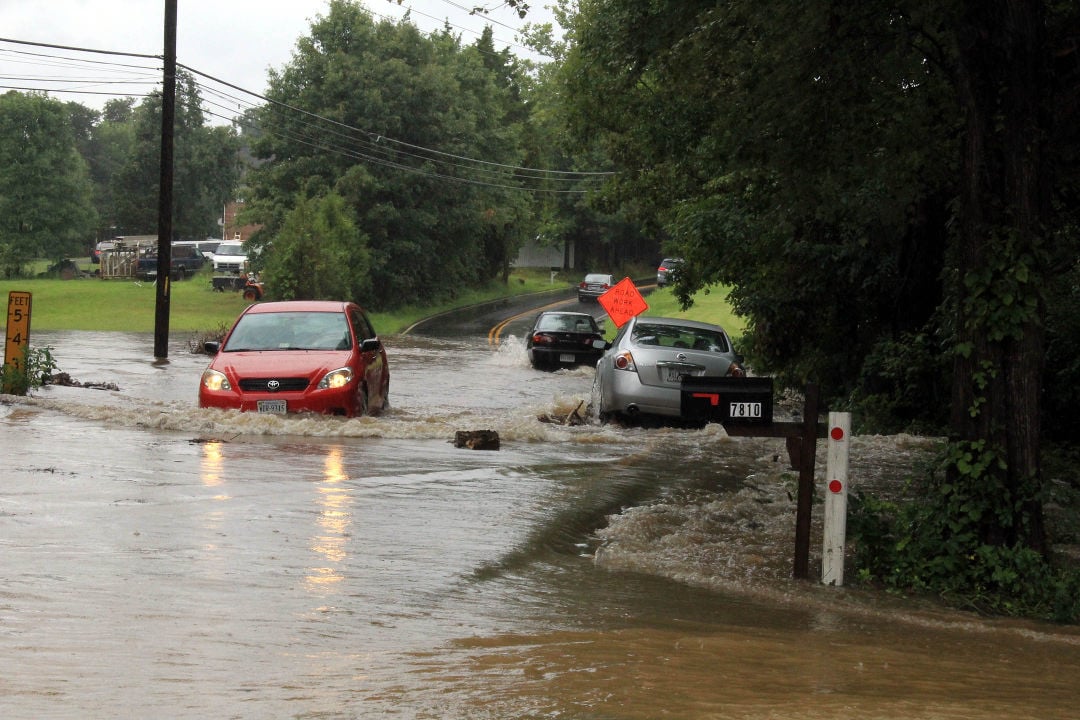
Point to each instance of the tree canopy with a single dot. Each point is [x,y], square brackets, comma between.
[889,189]
[45,190]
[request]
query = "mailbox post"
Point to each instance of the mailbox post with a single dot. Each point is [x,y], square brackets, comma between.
[744,407]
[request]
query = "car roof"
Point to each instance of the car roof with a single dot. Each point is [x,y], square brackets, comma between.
[566,312]
[681,322]
[300,306]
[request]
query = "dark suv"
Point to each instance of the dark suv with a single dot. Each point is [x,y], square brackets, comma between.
[186,261]
[668,267]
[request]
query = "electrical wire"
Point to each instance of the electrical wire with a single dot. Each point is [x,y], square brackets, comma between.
[292,123]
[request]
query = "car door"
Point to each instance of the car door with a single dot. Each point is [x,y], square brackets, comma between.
[373,362]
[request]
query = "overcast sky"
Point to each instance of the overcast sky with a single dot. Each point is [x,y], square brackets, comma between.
[233,40]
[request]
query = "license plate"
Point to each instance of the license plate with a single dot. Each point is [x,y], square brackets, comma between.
[744,410]
[272,406]
[567,357]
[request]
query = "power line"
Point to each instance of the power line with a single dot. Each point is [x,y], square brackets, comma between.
[312,130]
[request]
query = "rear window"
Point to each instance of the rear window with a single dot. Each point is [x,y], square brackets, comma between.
[681,337]
[567,323]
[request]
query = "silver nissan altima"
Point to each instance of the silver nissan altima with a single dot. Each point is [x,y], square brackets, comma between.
[641,372]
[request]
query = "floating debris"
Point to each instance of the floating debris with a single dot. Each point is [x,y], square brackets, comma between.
[62,378]
[574,417]
[477,439]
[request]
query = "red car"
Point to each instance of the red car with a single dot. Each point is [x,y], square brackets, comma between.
[298,356]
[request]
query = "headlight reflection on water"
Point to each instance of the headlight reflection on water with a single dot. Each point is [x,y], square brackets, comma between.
[211,464]
[335,517]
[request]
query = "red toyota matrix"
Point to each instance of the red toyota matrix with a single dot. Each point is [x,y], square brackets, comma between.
[298,356]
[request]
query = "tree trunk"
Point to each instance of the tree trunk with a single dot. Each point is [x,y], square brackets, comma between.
[999,259]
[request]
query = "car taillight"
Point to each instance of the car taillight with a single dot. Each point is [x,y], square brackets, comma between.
[625,361]
[581,284]
[542,339]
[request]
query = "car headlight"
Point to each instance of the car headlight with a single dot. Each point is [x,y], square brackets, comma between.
[214,380]
[336,378]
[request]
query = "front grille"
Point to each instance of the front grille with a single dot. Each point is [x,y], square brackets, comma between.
[262,384]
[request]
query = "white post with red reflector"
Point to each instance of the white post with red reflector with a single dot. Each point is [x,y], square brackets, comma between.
[836,490]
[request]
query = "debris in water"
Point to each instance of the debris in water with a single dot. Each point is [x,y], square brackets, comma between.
[574,417]
[477,439]
[62,378]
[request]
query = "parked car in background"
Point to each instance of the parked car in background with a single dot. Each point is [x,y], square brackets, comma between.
[667,269]
[185,261]
[641,372]
[564,338]
[104,245]
[298,356]
[206,248]
[594,285]
[230,257]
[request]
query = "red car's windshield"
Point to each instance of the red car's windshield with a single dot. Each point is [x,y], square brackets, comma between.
[290,331]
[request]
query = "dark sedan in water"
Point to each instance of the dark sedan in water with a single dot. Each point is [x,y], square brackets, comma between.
[564,338]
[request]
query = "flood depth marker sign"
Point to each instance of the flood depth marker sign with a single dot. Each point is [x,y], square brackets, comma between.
[623,302]
[18,332]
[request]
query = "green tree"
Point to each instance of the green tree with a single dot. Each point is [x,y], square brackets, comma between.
[889,187]
[45,193]
[205,175]
[394,122]
[106,150]
[318,253]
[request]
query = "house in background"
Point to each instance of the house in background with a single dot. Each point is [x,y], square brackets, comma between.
[533,254]
[231,229]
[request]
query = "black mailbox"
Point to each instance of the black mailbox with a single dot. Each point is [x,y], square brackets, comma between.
[743,401]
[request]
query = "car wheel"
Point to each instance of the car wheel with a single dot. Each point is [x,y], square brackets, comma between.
[251,294]
[385,395]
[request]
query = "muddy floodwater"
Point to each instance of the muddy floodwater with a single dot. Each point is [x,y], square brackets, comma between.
[162,561]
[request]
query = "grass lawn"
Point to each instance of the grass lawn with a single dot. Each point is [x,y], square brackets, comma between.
[127,305]
[711,307]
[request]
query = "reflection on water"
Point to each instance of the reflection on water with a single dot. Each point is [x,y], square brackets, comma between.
[333,501]
[223,565]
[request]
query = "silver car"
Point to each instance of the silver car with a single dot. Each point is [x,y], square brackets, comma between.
[641,372]
[594,285]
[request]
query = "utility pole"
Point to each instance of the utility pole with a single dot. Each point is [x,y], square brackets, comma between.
[165,187]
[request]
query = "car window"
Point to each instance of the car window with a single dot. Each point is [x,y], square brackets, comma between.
[362,325]
[566,323]
[321,331]
[681,337]
[289,331]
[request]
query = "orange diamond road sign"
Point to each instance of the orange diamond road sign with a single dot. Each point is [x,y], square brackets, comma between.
[623,302]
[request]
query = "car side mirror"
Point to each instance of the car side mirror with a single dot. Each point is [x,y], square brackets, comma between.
[211,347]
[370,345]
[599,344]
